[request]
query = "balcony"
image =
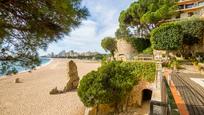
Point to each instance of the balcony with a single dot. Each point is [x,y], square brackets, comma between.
[183,2]
[191,9]
[190,5]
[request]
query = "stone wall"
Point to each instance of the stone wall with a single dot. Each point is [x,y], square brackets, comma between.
[135,98]
[125,51]
[160,55]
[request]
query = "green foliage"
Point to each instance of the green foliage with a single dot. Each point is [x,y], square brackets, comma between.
[109,44]
[193,27]
[122,33]
[181,35]
[109,84]
[99,56]
[148,50]
[113,81]
[195,62]
[139,43]
[89,89]
[193,33]
[144,70]
[29,25]
[175,64]
[193,30]
[167,37]
[171,100]
[105,59]
[144,15]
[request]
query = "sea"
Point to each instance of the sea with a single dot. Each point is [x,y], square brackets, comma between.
[21,69]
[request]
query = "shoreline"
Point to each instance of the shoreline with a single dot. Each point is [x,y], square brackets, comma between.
[27,71]
[31,96]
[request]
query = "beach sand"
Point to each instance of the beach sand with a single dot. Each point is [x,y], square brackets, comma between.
[31,97]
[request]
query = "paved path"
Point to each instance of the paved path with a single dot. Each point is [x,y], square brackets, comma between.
[191,92]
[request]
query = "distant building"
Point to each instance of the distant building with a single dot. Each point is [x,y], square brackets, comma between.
[89,53]
[51,55]
[72,54]
[62,54]
[188,8]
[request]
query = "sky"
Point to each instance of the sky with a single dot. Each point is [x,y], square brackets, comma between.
[102,22]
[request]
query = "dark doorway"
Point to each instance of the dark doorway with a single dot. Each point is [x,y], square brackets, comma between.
[146,95]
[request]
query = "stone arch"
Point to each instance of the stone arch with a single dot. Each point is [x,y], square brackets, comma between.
[136,95]
[146,95]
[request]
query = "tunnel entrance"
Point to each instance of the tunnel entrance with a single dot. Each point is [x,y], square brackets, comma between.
[146,95]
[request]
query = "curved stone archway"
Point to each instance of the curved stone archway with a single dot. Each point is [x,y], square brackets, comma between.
[136,95]
[146,95]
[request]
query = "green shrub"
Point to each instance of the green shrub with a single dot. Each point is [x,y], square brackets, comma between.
[195,63]
[148,50]
[113,81]
[174,63]
[139,43]
[167,37]
[89,88]
[144,70]
[108,85]
[181,35]
[193,27]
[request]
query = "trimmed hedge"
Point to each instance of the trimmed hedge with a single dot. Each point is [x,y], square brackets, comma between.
[174,35]
[193,31]
[167,37]
[193,27]
[113,81]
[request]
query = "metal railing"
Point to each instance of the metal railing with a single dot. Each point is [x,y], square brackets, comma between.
[167,104]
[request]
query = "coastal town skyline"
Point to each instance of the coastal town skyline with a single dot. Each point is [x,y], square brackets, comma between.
[72,53]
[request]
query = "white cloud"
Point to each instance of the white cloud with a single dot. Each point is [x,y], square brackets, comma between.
[102,22]
[87,29]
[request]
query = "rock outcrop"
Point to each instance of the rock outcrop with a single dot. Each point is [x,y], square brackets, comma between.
[55,91]
[72,77]
[17,80]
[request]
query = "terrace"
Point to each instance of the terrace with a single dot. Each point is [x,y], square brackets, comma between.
[186,92]
[190,5]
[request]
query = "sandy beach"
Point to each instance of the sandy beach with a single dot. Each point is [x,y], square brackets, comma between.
[31,97]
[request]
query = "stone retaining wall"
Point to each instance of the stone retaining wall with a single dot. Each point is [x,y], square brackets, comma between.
[125,51]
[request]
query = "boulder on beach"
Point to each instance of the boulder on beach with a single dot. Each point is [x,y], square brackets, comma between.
[72,77]
[55,91]
[17,80]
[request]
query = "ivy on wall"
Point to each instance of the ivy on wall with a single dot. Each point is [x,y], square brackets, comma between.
[113,81]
